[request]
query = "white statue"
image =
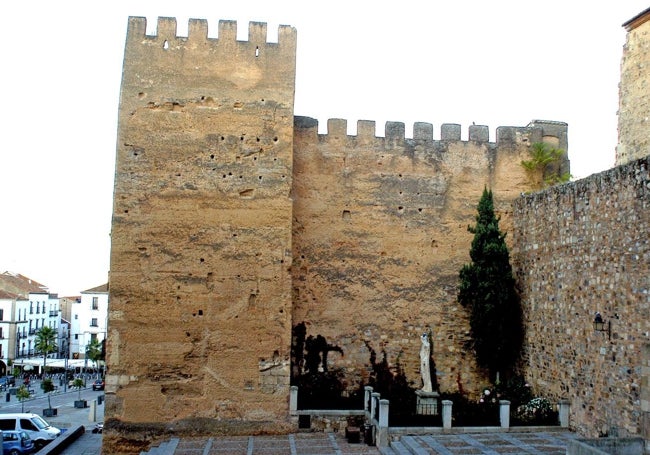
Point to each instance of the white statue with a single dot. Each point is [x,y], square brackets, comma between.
[425,351]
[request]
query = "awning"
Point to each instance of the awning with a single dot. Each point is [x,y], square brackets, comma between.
[55,363]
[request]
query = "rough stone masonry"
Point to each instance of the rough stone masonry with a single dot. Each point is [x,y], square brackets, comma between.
[234,221]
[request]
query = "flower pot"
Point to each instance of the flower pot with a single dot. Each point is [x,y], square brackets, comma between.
[49,412]
[80,403]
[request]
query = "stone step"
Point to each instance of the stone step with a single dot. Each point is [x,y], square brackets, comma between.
[386,451]
[413,446]
[165,448]
[399,448]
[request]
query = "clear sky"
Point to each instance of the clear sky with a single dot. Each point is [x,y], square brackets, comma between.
[495,63]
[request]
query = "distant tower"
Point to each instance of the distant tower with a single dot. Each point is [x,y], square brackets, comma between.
[634,92]
[200,288]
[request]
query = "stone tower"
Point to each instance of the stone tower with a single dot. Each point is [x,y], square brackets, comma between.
[634,93]
[200,288]
[234,220]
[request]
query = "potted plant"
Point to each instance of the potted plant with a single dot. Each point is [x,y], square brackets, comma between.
[22,394]
[79,383]
[48,387]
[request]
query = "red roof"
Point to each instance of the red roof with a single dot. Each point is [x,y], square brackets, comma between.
[20,284]
[6,295]
[637,20]
[97,290]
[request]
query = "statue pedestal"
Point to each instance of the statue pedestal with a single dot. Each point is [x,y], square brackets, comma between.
[427,403]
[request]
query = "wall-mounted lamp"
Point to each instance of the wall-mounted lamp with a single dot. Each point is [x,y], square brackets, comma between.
[601,326]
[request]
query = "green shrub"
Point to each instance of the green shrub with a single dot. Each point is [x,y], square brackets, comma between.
[472,413]
[538,411]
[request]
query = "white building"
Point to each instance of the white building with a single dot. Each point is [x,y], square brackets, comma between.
[26,306]
[13,310]
[88,320]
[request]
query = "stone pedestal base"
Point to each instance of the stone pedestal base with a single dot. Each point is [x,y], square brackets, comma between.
[427,403]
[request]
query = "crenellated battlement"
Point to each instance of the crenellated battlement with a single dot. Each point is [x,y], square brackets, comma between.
[395,132]
[168,37]
[233,216]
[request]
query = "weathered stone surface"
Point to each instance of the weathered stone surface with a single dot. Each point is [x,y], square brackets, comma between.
[232,221]
[580,248]
[634,93]
[380,233]
[201,241]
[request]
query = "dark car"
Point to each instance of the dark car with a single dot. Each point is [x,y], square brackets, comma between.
[98,384]
[17,443]
[6,381]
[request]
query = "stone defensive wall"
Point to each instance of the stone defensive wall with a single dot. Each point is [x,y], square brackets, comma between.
[634,96]
[234,221]
[380,234]
[578,249]
[167,36]
[200,285]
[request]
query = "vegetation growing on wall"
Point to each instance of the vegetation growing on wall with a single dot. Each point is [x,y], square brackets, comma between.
[487,290]
[543,168]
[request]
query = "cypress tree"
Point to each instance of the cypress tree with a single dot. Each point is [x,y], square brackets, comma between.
[487,290]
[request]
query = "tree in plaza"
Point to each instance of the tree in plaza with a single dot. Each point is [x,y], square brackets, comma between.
[78,383]
[22,394]
[48,387]
[45,342]
[487,290]
[94,351]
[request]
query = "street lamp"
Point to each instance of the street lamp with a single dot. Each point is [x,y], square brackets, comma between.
[599,325]
[86,364]
[65,369]
[66,351]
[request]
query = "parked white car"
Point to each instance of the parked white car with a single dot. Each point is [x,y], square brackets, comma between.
[38,429]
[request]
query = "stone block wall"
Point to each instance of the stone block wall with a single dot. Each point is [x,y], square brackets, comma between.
[233,221]
[581,248]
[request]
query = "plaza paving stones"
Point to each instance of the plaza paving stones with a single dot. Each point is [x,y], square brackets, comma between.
[551,443]
[542,443]
[293,444]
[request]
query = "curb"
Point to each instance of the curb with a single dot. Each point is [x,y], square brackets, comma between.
[62,442]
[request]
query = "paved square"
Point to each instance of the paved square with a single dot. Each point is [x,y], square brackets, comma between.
[550,443]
